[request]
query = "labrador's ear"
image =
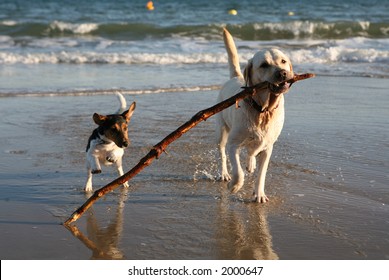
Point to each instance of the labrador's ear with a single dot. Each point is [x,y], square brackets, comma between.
[247,72]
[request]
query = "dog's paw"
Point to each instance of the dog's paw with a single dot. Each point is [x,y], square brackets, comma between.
[251,164]
[235,185]
[88,188]
[111,159]
[96,171]
[260,199]
[225,177]
[126,185]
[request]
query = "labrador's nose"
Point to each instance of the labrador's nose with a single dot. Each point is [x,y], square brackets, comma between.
[282,74]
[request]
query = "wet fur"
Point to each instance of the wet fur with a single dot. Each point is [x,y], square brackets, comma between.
[245,126]
[107,142]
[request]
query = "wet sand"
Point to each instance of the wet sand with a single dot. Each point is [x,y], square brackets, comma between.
[327,181]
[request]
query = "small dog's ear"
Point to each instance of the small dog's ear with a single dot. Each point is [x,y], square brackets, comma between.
[99,119]
[247,72]
[128,114]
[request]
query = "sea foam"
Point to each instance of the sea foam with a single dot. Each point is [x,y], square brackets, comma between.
[320,54]
[81,28]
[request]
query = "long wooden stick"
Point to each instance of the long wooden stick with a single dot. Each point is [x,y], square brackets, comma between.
[156,151]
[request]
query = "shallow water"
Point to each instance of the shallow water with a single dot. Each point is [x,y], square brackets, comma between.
[327,181]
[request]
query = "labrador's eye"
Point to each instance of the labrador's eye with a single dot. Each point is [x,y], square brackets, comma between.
[264,65]
[283,61]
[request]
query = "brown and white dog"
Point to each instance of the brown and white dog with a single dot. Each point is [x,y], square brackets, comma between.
[107,142]
[258,121]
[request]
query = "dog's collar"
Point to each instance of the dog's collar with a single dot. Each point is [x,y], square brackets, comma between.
[253,104]
[103,140]
[250,100]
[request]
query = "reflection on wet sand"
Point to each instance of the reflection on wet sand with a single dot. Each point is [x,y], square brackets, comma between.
[243,232]
[103,241]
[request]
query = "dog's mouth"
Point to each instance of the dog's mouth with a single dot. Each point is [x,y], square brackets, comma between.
[279,88]
[122,144]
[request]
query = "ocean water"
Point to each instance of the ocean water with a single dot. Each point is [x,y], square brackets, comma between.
[84,47]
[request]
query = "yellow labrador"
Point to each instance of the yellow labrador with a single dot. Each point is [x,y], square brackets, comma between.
[258,121]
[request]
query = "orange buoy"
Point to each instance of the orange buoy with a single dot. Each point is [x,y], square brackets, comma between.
[150,6]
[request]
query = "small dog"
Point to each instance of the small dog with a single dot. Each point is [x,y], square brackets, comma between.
[107,142]
[258,121]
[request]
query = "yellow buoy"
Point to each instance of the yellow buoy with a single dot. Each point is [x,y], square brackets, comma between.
[150,6]
[233,12]
[290,13]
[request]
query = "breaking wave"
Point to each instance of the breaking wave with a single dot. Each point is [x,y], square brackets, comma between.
[314,55]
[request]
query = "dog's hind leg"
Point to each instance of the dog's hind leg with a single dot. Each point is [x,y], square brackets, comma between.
[259,190]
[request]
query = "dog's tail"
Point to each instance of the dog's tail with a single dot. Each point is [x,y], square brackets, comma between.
[233,58]
[123,103]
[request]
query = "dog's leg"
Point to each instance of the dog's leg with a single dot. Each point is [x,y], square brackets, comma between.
[88,184]
[222,141]
[237,172]
[259,190]
[93,167]
[119,168]
[251,163]
[116,157]
[236,138]
[93,163]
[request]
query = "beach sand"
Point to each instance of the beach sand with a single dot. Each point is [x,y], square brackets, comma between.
[327,181]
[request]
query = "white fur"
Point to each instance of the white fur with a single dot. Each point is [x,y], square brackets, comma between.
[122,101]
[99,153]
[104,151]
[243,127]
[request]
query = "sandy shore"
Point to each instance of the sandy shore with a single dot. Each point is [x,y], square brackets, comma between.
[327,181]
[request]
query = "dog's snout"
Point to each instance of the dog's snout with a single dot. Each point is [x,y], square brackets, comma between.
[282,74]
[125,144]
